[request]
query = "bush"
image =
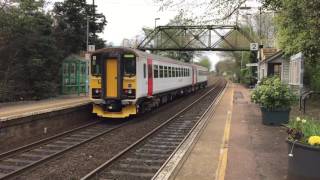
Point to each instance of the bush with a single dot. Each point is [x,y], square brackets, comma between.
[272,94]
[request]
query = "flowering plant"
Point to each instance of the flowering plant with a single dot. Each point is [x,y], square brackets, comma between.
[272,94]
[304,130]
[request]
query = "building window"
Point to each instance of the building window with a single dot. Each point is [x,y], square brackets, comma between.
[277,70]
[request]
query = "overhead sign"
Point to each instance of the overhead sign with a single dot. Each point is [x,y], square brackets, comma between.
[254,46]
[91,48]
[252,64]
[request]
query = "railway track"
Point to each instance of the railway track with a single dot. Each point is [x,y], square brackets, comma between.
[18,160]
[146,156]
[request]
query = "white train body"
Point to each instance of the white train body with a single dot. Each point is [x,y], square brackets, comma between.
[143,81]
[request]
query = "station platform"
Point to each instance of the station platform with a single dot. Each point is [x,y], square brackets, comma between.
[235,145]
[15,110]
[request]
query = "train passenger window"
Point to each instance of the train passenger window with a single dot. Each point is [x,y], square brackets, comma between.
[188,72]
[169,72]
[180,72]
[155,71]
[144,70]
[184,72]
[165,71]
[161,71]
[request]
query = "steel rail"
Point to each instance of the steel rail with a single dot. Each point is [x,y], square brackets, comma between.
[215,102]
[42,141]
[47,141]
[120,154]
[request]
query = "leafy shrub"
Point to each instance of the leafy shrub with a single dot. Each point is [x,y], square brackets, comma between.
[272,94]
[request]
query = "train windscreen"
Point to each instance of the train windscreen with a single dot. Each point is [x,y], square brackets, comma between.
[129,65]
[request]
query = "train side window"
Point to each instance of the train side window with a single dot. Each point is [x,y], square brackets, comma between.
[165,71]
[144,70]
[161,71]
[180,72]
[188,72]
[169,71]
[155,71]
[173,72]
[184,72]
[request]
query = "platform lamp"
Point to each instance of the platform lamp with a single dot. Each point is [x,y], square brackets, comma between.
[155,22]
[260,32]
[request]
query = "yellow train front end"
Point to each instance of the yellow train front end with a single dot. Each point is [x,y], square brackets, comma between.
[113,83]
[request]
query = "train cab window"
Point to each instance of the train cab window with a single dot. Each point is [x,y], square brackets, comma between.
[144,70]
[161,71]
[96,65]
[165,71]
[155,71]
[169,72]
[129,66]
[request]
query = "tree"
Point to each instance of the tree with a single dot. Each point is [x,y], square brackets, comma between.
[205,62]
[298,31]
[206,11]
[29,59]
[71,29]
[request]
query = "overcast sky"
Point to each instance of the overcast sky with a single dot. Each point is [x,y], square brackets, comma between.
[126,18]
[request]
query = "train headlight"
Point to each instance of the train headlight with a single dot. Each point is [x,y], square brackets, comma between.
[129,93]
[96,93]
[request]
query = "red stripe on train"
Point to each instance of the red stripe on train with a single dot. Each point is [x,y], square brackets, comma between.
[150,77]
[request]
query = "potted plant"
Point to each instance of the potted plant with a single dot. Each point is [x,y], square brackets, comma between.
[304,149]
[275,100]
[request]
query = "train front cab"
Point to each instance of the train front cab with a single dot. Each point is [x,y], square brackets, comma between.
[113,84]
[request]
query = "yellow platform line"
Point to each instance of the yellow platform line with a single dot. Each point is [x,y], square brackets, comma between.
[223,158]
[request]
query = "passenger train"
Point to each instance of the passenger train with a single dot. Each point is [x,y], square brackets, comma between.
[127,81]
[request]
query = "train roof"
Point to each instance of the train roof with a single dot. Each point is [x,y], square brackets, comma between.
[139,53]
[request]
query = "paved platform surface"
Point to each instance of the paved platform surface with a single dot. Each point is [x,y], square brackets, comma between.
[15,110]
[235,145]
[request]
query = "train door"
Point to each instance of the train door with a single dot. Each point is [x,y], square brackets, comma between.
[111,78]
[150,77]
[194,76]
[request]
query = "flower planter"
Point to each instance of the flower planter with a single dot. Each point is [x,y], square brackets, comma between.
[305,162]
[275,117]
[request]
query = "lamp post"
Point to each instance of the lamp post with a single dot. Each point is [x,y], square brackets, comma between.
[155,22]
